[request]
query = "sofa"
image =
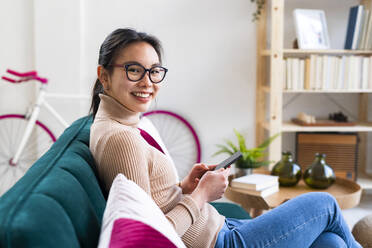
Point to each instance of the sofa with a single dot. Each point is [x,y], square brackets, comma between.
[59,201]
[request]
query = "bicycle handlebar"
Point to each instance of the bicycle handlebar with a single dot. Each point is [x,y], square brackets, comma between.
[25,74]
[24,77]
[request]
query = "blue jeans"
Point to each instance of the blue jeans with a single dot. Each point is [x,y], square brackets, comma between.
[310,220]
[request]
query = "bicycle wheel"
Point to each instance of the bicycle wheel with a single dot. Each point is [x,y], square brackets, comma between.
[179,138]
[11,130]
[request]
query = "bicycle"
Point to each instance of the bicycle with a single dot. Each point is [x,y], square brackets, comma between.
[20,149]
[179,138]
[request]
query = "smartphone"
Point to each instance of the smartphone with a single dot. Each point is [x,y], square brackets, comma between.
[227,162]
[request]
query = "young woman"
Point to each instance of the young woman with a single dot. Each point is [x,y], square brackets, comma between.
[130,73]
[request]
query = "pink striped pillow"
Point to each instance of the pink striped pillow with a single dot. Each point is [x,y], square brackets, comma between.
[128,233]
[132,219]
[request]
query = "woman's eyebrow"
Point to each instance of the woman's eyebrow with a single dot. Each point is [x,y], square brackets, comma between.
[138,63]
[131,62]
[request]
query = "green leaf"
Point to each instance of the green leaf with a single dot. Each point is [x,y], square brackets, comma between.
[235,149]
[241,141]
[267,142]
[223,149]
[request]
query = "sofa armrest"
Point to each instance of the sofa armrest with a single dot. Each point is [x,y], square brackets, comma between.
[230,210]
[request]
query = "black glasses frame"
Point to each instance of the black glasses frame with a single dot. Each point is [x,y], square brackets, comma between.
[126,66]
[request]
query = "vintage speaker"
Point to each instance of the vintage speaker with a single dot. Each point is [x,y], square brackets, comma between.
[341,150]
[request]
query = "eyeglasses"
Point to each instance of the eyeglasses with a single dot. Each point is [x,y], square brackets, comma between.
[135,72]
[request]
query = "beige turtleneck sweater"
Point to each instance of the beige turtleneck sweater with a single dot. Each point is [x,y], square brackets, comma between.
[118,147]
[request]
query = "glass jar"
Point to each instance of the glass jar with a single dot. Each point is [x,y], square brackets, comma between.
[288,171]
[319,175]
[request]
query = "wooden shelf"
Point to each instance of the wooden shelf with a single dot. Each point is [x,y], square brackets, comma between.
[291,127]
[329,91]
[266,89]
[302,52]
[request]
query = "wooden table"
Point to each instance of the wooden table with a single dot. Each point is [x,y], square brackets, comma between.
[346,192]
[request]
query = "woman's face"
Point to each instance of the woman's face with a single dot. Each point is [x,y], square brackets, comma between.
[136,96]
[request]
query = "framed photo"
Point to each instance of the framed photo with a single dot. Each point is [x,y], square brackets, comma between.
[311,29]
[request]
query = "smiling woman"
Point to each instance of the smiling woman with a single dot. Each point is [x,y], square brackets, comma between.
[129,76]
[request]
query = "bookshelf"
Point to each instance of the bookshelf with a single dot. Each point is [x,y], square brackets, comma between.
[270,80]
[294,52]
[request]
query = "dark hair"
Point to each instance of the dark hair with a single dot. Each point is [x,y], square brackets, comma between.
[109,51]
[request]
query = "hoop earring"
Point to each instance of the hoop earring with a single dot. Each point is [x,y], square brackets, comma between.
[154,104]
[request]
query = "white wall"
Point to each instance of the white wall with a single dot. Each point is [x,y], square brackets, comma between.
[210,50]
[16,52]
[58,56]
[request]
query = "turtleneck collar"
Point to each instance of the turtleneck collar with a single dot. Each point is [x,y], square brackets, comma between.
[111,108]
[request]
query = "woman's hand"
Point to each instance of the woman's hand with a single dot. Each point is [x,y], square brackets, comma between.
[189,183]
[211,186]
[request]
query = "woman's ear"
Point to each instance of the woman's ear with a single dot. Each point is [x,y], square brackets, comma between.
[103,77]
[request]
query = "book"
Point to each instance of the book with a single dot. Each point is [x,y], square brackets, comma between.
[357,76]
[362,44]
[368,41]
[307,73]
[295,73]
[255,181]
[301,84]
[361,29]
[346,72]
[263,192]
[336,72]
[365,73]
[358,25]
[318,72]
[286,69]
[312,71]
[325,73]
[352,32]
[341,69]
[289,74]
[370,76]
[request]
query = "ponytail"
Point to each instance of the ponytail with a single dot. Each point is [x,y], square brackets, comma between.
[97,89]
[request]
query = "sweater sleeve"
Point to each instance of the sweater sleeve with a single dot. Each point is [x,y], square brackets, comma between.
[122,153]
[185,214]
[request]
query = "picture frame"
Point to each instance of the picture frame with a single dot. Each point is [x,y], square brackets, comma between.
[311,29]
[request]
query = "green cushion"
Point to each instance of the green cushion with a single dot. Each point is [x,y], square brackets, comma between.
[58,202]
[231,210]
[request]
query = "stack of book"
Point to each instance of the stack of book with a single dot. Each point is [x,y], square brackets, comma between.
[359,29]
[256,184]
[325,72]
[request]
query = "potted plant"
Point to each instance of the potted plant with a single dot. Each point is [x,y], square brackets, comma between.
[252,158]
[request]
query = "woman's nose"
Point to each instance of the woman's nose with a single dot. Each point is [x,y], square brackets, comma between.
[146,80]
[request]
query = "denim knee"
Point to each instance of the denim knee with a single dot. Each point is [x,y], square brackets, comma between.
[329,240]
[323,197]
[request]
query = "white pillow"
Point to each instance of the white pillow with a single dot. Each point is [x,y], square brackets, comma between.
[127,200]
[149,127]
